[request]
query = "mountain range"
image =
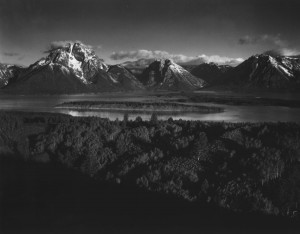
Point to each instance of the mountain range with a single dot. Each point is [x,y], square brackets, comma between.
[259,71]
[75,68]
[266,71]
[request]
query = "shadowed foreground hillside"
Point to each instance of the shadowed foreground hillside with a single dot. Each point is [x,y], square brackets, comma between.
[62,172]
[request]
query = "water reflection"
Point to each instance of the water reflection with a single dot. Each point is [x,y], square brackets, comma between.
[231,114]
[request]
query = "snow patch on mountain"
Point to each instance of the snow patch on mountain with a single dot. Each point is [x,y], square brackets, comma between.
[286,71]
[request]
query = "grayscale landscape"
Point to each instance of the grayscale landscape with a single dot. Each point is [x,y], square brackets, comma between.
[129,116]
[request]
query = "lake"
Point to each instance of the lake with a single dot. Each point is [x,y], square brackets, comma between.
[231,114]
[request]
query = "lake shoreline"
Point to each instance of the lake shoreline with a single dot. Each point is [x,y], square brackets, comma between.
[238,108]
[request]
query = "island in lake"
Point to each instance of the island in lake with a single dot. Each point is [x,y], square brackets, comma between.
[161,107]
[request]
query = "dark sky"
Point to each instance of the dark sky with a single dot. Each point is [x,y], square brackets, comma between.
[214,29]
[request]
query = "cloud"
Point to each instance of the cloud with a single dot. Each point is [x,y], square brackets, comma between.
[62,44]
[177,58]
[282,52]
[10,54]
[139,54]
[214,59]
[21,57]
[138,63]
[279,46]
[274,40]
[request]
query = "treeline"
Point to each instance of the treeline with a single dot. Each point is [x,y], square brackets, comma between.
[244,167]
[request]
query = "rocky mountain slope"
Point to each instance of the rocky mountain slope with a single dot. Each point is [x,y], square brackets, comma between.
[167,75]
[125,77]
[74,68]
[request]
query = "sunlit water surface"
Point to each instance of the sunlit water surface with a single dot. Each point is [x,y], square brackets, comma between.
[230,114]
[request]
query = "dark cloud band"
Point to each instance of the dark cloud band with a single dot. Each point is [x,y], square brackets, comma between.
[10,54]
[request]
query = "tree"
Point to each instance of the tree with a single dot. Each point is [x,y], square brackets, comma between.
[199,149]
[125,120]
[154,118]
[138,119]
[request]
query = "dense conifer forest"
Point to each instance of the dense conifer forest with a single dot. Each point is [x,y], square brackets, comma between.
[242,167]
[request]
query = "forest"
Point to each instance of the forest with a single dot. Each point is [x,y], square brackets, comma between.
[241,167]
